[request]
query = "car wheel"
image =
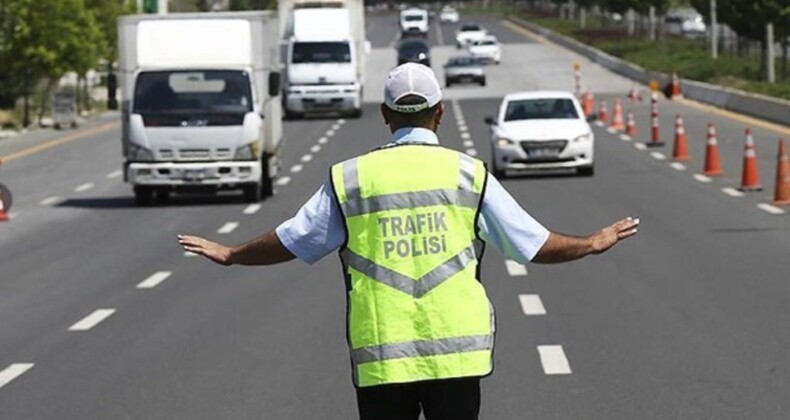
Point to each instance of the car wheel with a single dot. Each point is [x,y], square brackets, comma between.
[448,83]
[586,170]
[252,193]
[143,196]
[483,82]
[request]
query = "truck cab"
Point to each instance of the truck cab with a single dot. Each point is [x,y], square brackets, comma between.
[414,22]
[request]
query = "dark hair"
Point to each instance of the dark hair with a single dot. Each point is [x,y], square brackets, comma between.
[414,119]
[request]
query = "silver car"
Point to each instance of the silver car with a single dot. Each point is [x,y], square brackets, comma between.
[463,69]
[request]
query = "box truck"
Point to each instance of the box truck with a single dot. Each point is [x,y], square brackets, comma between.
[200,107]
[325,51]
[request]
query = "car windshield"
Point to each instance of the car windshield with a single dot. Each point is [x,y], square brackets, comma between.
[540,109]
[159,92]
[321,52]
[470,28]
[489,42]
[462,62]
[413,18]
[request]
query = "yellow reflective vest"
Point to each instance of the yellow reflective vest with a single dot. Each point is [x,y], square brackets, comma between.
[416,308]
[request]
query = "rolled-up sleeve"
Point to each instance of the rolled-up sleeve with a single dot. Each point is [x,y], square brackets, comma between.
[507,226]
[317,228]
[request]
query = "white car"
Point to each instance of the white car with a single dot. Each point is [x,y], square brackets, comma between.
[449,15]
[541,130]
[486,50]
[414,22]
[469,32]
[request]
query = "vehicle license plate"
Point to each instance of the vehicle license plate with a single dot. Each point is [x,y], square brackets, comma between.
[194,174]
[543,152]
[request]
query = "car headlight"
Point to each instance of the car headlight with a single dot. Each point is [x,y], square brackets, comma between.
[135,153]
[583,137]
[247,152]
[504,142]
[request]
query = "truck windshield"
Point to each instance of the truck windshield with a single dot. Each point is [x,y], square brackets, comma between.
[413,18]
[192,91]
[321,52]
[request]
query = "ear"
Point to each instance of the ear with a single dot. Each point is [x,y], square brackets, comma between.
[439,114]
[385,113]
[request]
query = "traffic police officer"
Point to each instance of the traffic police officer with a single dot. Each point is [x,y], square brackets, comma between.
[410,220]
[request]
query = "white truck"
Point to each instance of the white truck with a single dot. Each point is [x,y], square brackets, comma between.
[199,102]
[325,51]
[414,21]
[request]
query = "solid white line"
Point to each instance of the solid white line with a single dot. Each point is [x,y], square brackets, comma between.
[702,178]
[49,200]
[228,228]
[13,371]
[625,137]
[323,140]
[307,158]
[732,192]
[465,136]
[315,149]
[84,187]
[554,361]
[678,166]
[114,174]
[189,254]
[154,279]
[296,168]
[92,320]
[283,180]
[330,133]
[640,146]
[515,269]
[770,208]
[658,155]
[468,143]
[252,208]
[531,305]
[471,152]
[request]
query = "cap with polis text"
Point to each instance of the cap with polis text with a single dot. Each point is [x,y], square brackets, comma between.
[411,79]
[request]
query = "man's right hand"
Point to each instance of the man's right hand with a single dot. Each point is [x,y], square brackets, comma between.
[214,251]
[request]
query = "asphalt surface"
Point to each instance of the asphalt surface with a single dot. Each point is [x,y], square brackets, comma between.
[687,320]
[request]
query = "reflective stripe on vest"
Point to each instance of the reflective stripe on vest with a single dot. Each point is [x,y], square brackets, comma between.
[416,309]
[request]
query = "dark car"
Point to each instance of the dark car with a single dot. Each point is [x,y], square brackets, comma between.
[414,51]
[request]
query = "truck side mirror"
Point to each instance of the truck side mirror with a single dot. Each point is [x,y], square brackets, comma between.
[112,87]
[274,83]
[489,120]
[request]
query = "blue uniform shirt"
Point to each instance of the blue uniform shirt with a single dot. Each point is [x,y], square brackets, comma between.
[318,230]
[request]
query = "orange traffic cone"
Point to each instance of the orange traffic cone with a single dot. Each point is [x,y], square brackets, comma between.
[603,113]
[588,104]
[617,117]
[634,95]
[782,192]
[630,125]
[655,140]
[676,91]
[680,151]
[750,178]
[712,161]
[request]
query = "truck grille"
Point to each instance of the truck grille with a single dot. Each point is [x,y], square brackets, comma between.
[194,154]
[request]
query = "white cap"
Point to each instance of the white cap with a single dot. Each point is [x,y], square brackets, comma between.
[411,79]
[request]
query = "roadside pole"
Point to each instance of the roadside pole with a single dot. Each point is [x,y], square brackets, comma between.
[714,31]
[770,74]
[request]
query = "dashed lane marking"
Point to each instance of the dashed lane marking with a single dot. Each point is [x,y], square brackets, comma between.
[154,279]
[84,187]
[252,208]
[554,360]
[531,305]
[770,208]
[625,137]
[336,127]
[330,133]
[315,149]
[49,201]
[463,128]
[283,180]
[515,269]
[465,136]
[323,140]
[227,228]
[732,192]
[307,158]
[468,143]
[114,174]
[341,121]
[640,146]
[599,123]
[677,166]
[658,155]
[702,178]
[13,371]
[611,130]
[471,152]
[92,320]
[296,168]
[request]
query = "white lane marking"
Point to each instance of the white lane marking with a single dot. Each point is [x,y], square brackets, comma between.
[252,208]
[471,152]
[154,279]
[625,137]
[341,121]
[465,136]
[84,187]
[611,130]
[114,174]
[49,200]
[190,254]
[770,208]
[463,128]
[283,180]
[554,361]
[599,123]
[13,371]
[658,155]
[640,146]
[12,215]
[315,149]
[92,320]
[468,143]
[732,192]
[228,228]
[330,133]
[323,140]
[296,168]
[531,305]
[439,35]
[702,178]
[678,166]
[394,40]
[336,127]
[307,158]
[515,269]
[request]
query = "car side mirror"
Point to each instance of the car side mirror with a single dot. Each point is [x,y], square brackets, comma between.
[489,120]
[274,83]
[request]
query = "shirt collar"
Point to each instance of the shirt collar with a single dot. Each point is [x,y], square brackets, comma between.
[414,135]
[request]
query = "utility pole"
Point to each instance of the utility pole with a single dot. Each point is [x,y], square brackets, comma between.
[770,75]
[714,31]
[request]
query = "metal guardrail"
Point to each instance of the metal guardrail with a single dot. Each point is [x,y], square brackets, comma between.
[760,106]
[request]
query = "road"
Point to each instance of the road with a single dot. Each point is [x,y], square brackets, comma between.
[105,317]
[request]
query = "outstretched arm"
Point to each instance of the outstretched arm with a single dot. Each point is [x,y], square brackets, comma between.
[561,248]
[263,250]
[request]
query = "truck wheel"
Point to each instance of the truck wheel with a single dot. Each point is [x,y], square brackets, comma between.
[266,186]
[290,115]
[252,193]
[357,113]
[143,196]
[161,196]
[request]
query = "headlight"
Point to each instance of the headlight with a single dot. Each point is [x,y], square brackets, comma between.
[583,137]
[135,153]
[247,152]
[504,142]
